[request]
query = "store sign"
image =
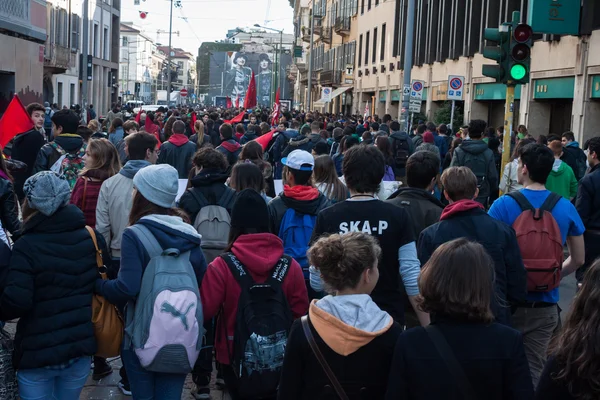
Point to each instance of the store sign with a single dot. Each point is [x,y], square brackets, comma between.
[558,17]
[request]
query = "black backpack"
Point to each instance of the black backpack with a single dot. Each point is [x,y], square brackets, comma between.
[262,326]
[401,149]
[479,163]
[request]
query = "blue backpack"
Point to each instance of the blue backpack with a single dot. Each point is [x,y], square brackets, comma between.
[295,231]
[47,122]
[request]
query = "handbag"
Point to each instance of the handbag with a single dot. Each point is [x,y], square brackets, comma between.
[8,378]
[313,345]
[108,323]
[454,367]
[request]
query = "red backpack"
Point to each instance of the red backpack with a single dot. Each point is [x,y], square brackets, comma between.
[540,242]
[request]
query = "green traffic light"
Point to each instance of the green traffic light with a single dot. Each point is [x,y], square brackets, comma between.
[518,72]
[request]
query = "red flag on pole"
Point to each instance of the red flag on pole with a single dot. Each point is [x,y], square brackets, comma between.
[138,117]
[250,100]
[193,122]
[14,121]
[237,119]
[228,105]
[275,115]
[265,139]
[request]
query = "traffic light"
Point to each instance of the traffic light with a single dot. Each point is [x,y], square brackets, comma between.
[498,53]
[520,53]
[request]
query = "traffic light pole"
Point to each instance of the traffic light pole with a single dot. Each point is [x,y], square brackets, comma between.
[509,113]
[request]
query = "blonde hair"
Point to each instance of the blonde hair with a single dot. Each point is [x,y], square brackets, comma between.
[105,157]
[93,125]
[199,128]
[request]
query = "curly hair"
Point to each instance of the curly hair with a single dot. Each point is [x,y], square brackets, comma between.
[342,259]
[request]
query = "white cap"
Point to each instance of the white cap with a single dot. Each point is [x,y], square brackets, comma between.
[300,160]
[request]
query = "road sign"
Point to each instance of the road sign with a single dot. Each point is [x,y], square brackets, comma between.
[326,94]
[414,106]
[183,92]
[416,90]
[456,86]
[406,91]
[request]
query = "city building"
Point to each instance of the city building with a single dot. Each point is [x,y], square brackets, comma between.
[185,65]
[564,89]
[136,64]
[22,38]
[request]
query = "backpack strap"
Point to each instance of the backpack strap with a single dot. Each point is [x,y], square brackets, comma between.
[238,270]
[550,202]
[226,199]
[521,200]
[148,240]
[202,201]
[280,271]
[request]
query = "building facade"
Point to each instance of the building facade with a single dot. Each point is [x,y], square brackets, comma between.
[22,39]
[137,52]
[564,89]
[183,65]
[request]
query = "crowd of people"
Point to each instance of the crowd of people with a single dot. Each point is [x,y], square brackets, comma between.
[387,265]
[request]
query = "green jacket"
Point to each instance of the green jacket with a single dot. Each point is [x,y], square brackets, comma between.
[562,180]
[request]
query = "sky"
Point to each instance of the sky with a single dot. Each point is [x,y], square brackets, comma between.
[206,20]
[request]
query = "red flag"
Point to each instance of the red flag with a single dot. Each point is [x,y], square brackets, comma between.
[276,106]
[138,117]
[250,100]
[265,139]
[193,122]
[14,121]
[228,105]
[237,119]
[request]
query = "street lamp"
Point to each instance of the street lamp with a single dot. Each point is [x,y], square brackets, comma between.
[278,55]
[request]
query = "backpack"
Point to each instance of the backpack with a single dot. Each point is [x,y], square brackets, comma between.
[401,149]
[580,162]
[213,223]
[295,231]
[478,163]
[165,324]
[540,242]
[262,326]
[68,164]
[47,122]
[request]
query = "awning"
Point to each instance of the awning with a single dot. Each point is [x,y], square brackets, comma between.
[339,91]
[320,103]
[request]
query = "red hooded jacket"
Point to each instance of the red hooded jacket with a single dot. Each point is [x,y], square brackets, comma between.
[259,253]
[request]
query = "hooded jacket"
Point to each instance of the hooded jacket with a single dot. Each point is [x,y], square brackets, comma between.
[562,180]
[353,333]
[259,253]
[211,183]
[25,149]
[306,143]
[574,157]
[466,218]
[588,199]
[171,233]
[49,286]
[485,156]
[247,137]
[114,205]
[421,206]
[47,156]
[178,152]
[280,204]
[231,150]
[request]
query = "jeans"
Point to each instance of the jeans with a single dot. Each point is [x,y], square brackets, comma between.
[49,384]
[203,368]
[147,385]
[536,325]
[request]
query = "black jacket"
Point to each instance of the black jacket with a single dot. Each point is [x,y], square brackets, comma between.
[423,209]
[9,211]
[492,357]
[206,141]
[47,156]
[211,183]
[306,143]
[400,171]
[550,388]
[569,156]
[363,374]
[501,244]
[231,150]
[479,149]
[25,149]
[179,157]
[280,204]
[49,286]
[248,136]
[588,199]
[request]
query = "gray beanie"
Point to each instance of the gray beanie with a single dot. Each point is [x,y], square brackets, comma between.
[47,191]
[158,184]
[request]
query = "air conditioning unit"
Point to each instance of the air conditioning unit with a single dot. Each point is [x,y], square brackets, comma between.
[382,68]
[392,66]
[367,71]
[374,69]
[359,73]
[399,65]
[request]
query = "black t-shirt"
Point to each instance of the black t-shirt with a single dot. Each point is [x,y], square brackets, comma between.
[391,226]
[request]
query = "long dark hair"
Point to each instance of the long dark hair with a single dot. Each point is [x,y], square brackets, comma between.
[383,144]
[247,175]
[141,207]
[577,347]
[4,167]
[325,173]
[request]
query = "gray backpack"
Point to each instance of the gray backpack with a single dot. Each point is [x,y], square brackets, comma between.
[165,324]
[213,223]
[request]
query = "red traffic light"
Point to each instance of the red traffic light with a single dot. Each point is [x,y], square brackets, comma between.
[522,33]
[520,52]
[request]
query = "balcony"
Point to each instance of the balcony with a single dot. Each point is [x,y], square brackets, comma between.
[342,26]
[304,78]
[326,33]
[56,58]
[330,77]
[318,27]
[305,34]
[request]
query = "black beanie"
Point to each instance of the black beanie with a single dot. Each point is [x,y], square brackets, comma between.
[250,212]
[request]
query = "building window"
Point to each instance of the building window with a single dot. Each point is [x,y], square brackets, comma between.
[362,6]
[75,31]
[59,95]
[125,41]
[368,5]
[72,94]
[360,40]
[374,59]
[382,42]
[367,48]
[105,43]
[376,3]
[95,41]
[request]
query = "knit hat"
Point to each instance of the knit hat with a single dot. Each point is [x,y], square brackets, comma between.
[428,137]
[158,184]
[250,212]
[47,191]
